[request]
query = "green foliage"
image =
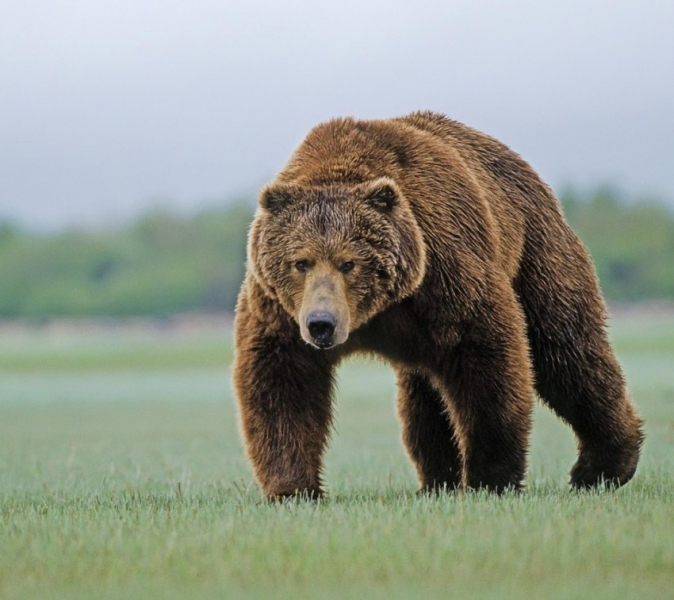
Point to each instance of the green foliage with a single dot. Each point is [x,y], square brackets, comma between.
[162,264]
[632,243]
[166,263]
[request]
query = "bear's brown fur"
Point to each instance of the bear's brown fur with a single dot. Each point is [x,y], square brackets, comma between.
[436,247]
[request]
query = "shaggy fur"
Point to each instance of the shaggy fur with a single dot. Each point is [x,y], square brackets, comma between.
[437,248]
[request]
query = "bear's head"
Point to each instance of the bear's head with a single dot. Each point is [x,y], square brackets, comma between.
[336,255]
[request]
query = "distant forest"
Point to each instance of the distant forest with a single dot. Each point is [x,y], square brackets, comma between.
[165,264]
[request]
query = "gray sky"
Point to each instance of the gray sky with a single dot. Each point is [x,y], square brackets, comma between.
[108,108]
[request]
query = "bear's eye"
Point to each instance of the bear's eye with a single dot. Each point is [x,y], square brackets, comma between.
[347,266]
[302,266]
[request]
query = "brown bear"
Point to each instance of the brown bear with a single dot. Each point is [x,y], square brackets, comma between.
[436,247]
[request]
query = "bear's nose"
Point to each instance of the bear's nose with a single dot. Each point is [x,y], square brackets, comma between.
[321,326]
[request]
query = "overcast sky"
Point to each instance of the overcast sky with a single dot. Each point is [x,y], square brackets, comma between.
[108,108]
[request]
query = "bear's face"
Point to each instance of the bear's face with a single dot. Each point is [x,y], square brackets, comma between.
[336,256]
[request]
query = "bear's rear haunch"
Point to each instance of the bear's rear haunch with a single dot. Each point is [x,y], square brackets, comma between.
[436,247]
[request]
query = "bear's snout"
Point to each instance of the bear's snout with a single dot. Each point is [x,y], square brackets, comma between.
[321,326]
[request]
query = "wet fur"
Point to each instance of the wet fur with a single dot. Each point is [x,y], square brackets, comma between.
[469,282]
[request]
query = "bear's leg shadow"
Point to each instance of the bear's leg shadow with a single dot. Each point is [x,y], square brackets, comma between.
[428,433]
[576,371]
[284,391]
[490,391]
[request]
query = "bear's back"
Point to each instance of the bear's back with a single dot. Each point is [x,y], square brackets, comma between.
[458,180]
[521,204]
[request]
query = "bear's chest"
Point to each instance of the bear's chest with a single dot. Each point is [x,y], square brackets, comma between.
[400,335]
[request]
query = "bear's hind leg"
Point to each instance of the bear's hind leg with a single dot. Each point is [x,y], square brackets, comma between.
[428,432]
[576,371]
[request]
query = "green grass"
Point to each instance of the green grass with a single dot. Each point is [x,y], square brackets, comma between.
[122,476]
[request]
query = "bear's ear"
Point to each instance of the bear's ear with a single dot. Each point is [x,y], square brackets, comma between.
[382,194]
[275,197]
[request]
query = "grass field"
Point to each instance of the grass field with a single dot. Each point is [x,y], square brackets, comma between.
[122,476]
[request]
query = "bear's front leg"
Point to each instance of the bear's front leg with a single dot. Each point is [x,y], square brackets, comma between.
[490,393]
[283,387]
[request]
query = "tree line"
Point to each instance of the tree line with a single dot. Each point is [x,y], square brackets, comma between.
[165,263]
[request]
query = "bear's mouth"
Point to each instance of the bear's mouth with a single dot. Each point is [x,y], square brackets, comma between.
[323,334]
[321,326]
